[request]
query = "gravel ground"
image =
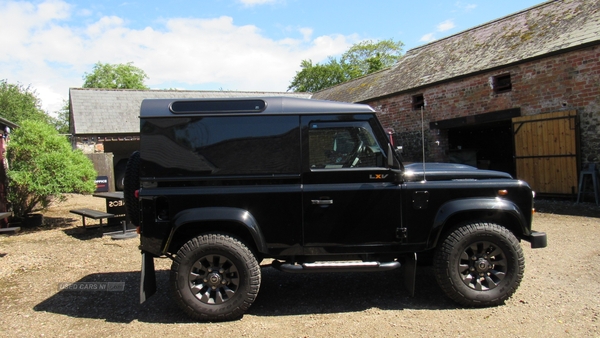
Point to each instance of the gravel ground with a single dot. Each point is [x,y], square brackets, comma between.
[559,295]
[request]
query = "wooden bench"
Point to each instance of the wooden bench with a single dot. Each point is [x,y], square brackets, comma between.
[94,214]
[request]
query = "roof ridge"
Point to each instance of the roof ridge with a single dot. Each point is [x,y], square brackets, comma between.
[506,17]
[548,28]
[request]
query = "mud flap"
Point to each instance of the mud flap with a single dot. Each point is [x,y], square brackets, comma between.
[409,271]
[148,277]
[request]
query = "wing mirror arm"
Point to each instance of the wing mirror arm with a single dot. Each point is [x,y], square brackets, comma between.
[390,156]
[394,164]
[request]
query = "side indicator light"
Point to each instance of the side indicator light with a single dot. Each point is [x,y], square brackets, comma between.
[503,192]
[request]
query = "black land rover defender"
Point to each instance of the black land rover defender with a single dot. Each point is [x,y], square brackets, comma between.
[221,184]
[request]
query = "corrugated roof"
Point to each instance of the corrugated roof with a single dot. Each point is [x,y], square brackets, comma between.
[546,28]
[116,111]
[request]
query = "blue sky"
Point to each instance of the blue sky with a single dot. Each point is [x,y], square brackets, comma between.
[249,45]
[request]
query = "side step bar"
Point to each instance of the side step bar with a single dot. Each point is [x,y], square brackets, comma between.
[335,267]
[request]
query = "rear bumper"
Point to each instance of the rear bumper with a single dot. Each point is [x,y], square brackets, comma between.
[537,239]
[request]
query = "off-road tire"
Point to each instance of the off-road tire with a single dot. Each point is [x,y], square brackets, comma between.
[479,264]
[131,184]
[215,277]
[120,174]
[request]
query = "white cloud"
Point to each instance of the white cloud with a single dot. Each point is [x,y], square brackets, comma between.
[441,27]
[428,37]
[445,26]
[306,33]
[465,6]
[250,3]
[38,47]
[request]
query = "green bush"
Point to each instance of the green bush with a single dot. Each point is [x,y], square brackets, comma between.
[42,165]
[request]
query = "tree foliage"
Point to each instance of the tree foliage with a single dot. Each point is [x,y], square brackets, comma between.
[314,77]
[361,59]
[369,56]
[19,103]
[61,120]
[115,76]
[42,166]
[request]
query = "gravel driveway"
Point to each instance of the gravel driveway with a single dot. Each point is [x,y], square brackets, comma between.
[559,295]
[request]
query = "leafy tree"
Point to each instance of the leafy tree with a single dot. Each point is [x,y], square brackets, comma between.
[314,77]
[61,121]
[370,56]
[115,76]
[42,166]
[361,59]
[18,103]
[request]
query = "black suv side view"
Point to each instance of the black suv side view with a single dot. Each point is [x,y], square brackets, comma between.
[219,185]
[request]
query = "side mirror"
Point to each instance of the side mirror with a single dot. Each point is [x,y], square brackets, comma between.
[399,152]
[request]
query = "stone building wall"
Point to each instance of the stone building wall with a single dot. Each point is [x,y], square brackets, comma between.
[566,81]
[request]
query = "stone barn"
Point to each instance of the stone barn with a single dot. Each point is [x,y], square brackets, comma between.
[519,94]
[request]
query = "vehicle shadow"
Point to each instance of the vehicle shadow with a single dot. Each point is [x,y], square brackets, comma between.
[295,294]
[566,207]
[281,294]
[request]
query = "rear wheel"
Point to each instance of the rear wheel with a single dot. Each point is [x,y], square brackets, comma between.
[479,264]
[120,174]
[131,184]
[215,277]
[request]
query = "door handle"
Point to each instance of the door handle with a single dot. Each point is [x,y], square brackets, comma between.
[322,202]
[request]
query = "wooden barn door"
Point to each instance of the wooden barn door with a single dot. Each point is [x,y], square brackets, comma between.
[546,151]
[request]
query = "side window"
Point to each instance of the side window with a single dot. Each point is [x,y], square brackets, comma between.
[334,146]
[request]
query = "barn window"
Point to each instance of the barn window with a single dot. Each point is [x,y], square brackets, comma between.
[502,84]
[418,102]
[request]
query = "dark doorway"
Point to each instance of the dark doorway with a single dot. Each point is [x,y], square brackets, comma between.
[485,145]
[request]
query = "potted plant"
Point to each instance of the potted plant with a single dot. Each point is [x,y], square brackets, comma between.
[43,166]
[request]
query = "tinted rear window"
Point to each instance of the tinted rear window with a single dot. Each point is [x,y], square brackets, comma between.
[235,145]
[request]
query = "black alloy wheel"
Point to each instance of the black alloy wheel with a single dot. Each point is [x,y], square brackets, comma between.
[215,277]
[479,264]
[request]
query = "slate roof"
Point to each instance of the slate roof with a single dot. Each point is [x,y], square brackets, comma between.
[116,111]
[546,28]
[8,123]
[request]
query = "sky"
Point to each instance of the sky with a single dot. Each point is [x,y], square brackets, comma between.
[233,45]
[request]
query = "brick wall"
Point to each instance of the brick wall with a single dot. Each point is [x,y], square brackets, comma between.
[565,81]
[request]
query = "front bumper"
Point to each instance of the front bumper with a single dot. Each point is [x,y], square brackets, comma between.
[537,239]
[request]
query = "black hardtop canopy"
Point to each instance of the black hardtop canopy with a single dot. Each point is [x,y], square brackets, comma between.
[246,106]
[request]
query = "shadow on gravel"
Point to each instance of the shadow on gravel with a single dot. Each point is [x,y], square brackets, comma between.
[294,294]
[49,223]
[281,294]
[84,234]
[567,207]
[58,222]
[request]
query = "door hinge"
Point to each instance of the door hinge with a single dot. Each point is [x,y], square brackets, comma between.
[401,233]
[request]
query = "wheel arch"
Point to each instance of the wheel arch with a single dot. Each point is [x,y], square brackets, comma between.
[233,221]
[454,213]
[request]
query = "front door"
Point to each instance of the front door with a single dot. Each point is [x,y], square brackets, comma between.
[350,199]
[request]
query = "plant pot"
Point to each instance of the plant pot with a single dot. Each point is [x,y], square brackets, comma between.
[32,220]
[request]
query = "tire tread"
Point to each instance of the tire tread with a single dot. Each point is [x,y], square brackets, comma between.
[230,244]
[442,265]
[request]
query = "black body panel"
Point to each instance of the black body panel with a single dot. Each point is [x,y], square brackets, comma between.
[297,178]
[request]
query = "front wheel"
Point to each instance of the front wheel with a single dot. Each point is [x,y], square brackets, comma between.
[479,264]
[215,277]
